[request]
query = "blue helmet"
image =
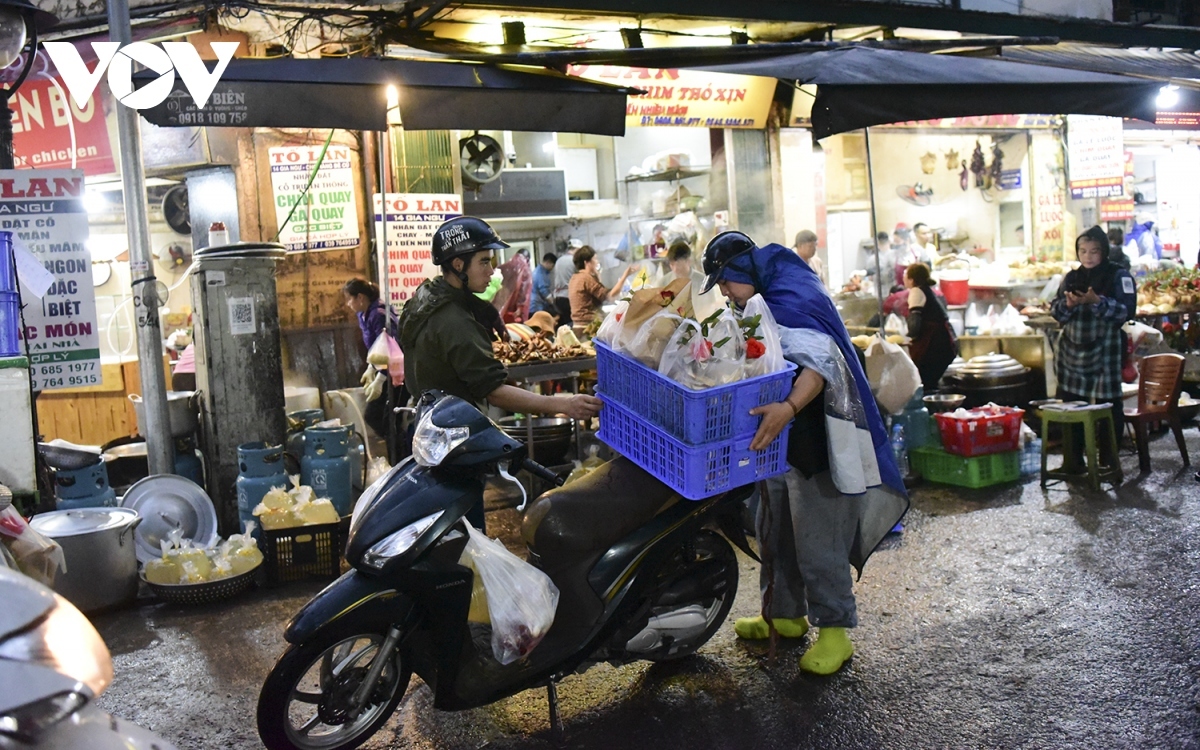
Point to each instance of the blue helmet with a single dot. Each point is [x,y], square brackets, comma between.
[721,249]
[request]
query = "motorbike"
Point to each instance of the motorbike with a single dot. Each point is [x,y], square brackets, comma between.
[641,573]
[53,663]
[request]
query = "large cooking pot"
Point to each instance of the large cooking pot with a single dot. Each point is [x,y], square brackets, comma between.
[182,413]
[128,462]
[551,436]
[98,545]
[990,378]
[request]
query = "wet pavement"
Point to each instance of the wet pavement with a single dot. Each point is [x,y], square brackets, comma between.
[1010,617]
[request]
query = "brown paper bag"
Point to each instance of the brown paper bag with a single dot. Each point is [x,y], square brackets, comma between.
[644,303]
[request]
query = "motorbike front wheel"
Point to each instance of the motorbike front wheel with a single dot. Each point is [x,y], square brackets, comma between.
[306,701]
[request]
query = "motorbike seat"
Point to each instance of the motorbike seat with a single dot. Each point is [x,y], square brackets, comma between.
[586,517]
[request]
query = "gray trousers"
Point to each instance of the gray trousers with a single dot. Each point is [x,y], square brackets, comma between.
[812,528]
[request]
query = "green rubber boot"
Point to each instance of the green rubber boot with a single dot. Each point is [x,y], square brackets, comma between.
[755,628]
[829,653]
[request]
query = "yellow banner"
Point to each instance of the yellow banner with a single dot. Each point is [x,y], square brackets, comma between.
[687,98]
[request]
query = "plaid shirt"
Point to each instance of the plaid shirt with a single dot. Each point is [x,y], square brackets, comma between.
[1091,347]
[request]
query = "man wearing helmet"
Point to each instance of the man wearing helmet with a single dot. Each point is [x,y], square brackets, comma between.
[842,492]
[446,331]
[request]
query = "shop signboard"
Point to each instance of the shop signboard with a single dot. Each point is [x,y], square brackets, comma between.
[1010,179]
[48,127]
[1049,202]
[44,211]
[411,220]
[979,122]
[327,215]
[1116,209]
[1095,156]
[688,98]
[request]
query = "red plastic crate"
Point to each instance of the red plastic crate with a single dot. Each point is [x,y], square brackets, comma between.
[989,429]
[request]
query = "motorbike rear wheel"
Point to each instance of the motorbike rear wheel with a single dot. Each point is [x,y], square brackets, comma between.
[305,702]
[709,558]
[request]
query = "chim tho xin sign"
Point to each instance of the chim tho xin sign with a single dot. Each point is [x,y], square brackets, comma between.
[168,60]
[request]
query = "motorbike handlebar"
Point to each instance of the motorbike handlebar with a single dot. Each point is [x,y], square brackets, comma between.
[533,467]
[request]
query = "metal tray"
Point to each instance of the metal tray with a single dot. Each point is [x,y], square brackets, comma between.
[165,502]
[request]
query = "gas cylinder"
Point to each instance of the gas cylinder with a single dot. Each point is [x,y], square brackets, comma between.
[298,421]
[326,467]
[84,488]
[915,419]
[187,460]
[260,468]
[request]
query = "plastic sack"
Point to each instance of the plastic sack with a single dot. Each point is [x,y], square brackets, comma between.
[653,337]
[521,600]
[377,355]
[395,361]
[37,556]
[611,328]
[895,325]
[893,376]
[377,467]
[758,325]
[703,355]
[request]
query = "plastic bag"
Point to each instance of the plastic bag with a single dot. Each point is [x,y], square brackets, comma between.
[395,362]
[703,355]
[377,355]
[521,600]
[377,467]
[38,556]
[758,325]
[651,340]
[895,325]
[893,376]
[611,329]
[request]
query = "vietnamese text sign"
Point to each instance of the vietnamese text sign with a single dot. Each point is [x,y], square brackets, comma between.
[1095,156]
[688,98]
[327,217]
[44,211]
[44,120]
[412,219]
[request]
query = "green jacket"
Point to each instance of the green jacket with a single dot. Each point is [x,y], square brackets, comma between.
[446,346]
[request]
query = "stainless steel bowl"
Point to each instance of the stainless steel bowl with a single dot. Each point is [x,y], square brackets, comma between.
[943,402]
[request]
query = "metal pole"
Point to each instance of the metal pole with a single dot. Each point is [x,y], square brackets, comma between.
[874,229]
[160,450]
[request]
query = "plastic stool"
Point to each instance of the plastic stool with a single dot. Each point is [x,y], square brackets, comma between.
[1090,419]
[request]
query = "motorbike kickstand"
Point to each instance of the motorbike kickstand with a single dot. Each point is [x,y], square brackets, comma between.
[556,727]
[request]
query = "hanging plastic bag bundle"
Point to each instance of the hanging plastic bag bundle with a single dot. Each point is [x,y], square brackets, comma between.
[764,355]
[521,600]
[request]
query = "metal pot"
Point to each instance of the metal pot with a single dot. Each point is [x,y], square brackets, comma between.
[98,545]
[551,436]
[990,370]
[127,463]
[943,402]
[182,413]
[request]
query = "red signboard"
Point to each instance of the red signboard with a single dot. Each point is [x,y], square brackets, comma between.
[48,127]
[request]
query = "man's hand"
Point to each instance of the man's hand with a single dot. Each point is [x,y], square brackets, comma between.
[580,406]
[774,418]
[368,376]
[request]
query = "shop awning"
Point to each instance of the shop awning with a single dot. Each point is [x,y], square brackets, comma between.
[1147,63]
[860,87]
[351,93]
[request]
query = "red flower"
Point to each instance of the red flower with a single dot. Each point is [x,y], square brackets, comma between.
[755,349]
[667,297]
[709,344]
[619,317]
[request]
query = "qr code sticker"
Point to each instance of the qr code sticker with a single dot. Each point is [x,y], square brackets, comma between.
[241,315]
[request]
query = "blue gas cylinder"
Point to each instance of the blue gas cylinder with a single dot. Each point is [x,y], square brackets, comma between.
[298,422]
[189,466]
[84,488]
[326,466]
[915,419]
[260,468]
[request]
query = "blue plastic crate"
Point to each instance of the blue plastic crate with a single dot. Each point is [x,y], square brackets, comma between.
[696,472]
[694,417]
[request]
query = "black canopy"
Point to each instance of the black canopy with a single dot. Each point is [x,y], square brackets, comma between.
[351,93]
[862,86]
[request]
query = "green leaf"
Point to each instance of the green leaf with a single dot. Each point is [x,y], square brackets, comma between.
[722,342]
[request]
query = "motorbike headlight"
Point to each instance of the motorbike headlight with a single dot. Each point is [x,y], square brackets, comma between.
[398,543]
[66,642]
[431,444]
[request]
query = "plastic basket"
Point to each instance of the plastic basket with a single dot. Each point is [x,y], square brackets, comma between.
[302,552]
[1031,457]
[696,472]
[937,465]
[990,429]
[208,592]
[694,417]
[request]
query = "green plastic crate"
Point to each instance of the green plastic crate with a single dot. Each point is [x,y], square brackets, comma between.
[937,465]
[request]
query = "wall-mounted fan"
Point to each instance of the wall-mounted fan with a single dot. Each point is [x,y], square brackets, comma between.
[481,158]
[175,210]
[175,254]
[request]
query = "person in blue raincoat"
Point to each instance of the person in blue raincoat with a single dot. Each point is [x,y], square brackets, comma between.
[842,492]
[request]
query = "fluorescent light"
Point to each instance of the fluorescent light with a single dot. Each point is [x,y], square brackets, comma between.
[1168,96]
[95,202]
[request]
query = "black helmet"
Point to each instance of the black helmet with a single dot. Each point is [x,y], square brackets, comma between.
[464,235]
[721,249]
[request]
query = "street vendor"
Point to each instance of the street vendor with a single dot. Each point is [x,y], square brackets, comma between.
[842,492]
[362,297]
[446,332]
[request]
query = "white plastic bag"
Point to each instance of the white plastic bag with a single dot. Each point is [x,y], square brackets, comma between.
[758,323]
[706,354]
[893,376]
[895,325]
[610,330]
[521,599]
[377,355]
[653,337]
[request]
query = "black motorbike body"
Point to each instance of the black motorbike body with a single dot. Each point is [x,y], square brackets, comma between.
[623,549]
